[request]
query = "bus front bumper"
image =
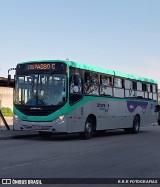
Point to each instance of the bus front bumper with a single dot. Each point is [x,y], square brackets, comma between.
[56,126]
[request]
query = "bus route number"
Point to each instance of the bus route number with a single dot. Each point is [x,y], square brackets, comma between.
[41,66]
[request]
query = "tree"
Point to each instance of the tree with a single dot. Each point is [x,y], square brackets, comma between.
[6,111]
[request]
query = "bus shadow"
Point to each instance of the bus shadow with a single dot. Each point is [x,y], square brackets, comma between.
[76,136]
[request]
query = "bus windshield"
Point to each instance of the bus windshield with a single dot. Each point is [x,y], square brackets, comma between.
[40,89]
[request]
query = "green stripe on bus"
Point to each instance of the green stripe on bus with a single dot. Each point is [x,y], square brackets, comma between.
[67,109]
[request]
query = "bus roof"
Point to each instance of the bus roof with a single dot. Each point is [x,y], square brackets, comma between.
[96,69]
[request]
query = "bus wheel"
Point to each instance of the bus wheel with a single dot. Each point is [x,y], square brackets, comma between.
[136,125]
[89,129]
[135,128]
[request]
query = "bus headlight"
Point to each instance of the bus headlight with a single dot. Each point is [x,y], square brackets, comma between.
[16,118]
[60,119]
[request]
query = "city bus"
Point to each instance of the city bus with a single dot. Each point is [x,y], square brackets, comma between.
[62,96]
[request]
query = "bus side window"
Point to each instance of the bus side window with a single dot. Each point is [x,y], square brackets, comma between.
[87,77]
[106,80]
[149,88]
[76,85]
[140,92]
[129,91]
[134,85]
[154,87]
[91,86]
[145,89]
[105,85]
[118,87]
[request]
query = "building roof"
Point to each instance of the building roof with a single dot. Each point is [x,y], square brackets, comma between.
[4,82]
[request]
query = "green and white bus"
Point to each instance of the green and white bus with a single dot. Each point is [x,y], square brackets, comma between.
[62,96]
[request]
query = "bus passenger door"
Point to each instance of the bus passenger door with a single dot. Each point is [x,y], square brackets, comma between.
[75,119]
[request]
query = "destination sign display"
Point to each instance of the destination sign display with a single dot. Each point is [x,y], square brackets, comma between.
[42,66]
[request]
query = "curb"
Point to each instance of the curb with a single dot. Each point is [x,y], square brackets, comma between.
[10,134]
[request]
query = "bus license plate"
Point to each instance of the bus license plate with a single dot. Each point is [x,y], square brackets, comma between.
[35,127]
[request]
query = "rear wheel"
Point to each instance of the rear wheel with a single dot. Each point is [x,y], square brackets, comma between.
[136,126]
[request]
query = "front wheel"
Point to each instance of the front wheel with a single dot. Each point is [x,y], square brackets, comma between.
[89,129]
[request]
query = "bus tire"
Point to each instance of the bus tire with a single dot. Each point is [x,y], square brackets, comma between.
[136,125]
[89,129]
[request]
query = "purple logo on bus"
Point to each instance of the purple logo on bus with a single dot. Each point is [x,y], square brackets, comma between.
[132,105]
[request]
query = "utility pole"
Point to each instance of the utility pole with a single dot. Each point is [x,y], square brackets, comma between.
[4,121]
[2,117]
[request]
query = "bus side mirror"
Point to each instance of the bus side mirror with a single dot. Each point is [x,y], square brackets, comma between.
[9,76]
[9,79]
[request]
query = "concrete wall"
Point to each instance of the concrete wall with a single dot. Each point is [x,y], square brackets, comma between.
[6,100]
[9,121]
[6,97]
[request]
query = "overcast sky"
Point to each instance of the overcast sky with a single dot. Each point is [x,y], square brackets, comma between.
[123,35]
